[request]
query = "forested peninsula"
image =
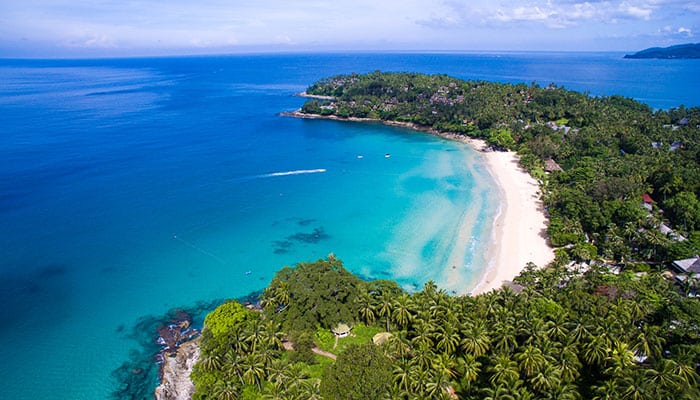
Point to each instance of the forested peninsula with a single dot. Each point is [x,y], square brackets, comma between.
[681,51]
[612,317]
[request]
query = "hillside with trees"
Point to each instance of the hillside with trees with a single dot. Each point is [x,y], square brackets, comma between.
[565,334]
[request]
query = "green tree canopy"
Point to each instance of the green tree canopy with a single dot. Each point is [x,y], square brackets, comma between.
[361,372]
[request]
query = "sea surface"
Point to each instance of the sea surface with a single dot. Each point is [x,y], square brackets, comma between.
[133,187]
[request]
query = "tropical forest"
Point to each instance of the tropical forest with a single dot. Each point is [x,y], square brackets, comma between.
[610,318]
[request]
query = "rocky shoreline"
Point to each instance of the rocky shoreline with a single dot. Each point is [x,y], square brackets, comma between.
[179,352]
[408,125]
[175,382]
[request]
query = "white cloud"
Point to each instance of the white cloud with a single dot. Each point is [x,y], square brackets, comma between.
[637,10]
[438,24]
[673,32]
[685,31]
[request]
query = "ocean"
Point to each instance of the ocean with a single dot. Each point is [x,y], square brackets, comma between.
[133,187]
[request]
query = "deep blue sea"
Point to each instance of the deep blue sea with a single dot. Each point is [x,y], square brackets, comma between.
[132,187]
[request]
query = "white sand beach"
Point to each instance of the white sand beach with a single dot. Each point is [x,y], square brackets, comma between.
[519,234]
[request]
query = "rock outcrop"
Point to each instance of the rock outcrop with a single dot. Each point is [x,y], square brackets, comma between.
[175,383]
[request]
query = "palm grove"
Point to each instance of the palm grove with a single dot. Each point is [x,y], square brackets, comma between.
[574,330]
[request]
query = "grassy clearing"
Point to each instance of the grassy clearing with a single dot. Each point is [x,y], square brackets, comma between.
[360,334]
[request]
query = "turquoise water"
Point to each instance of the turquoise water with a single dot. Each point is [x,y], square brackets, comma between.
[132,187]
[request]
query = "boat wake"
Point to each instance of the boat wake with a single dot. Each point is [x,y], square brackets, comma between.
[297,172]
[284,173]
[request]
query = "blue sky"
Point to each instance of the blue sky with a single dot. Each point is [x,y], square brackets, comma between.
[69,28]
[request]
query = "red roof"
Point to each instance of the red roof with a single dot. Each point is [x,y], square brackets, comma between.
[647,199]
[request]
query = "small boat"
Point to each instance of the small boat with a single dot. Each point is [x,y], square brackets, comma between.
[248,272]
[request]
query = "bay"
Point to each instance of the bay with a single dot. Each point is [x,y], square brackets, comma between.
[130,187]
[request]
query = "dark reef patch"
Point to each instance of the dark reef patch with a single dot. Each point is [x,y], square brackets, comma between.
[306,222]
[287,245]
[313,237]
[282,246]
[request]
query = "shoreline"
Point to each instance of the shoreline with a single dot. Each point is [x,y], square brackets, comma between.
[519,229]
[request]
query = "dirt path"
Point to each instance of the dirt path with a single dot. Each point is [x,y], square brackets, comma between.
[324,353]
[290,347]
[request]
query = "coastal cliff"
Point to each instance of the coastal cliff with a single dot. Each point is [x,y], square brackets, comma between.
[175,381]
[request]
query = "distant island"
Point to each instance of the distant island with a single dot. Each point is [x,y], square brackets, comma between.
[688,50]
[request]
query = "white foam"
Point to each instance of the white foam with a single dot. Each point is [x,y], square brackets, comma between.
[295,172]
[281,173]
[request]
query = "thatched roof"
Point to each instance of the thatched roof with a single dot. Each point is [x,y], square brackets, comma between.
[341,329]
[551,165]
[381,337]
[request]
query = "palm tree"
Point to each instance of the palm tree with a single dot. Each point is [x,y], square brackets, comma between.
[608,390]
[533,329]
[476,340]
[503,370]
[423,357]
[310,389]
[565,391]
[253,333]
[687,376]
[545,379]
[272,336]
[275,391]
[295,373]
[402,314]
[530,360]
[568,364]
[556,328]
[226,391]
[436,385]
[499,392]
[239,343]
[596,350]
[620,360]
[366,307]
[422,334]
[384,308]
[446,365]
[636,387]
[402,375]
[469,368]
[234,365]
[276,372]
[663,376]
[648,342]
[447,338]
[210,363]
[504,337]
[253,369]
[579,333]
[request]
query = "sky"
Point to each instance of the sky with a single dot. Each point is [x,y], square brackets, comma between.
[104,28]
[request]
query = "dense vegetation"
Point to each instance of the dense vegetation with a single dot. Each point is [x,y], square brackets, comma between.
[567,335]
[573,330]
